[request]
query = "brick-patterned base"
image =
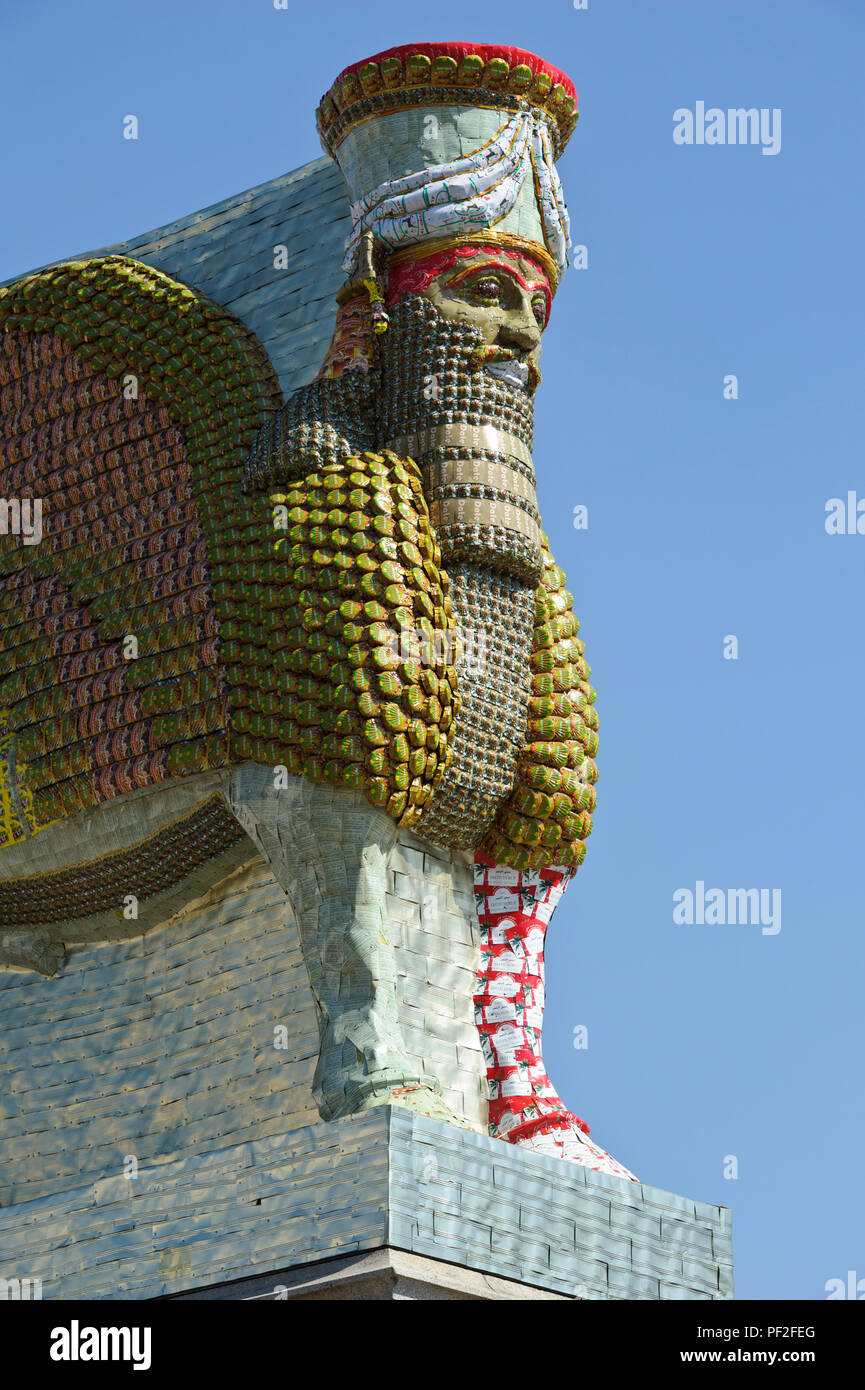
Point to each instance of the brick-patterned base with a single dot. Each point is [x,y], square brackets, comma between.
[385,1179]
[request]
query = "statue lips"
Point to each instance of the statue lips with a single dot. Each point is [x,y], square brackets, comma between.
[512,369]
[513,372]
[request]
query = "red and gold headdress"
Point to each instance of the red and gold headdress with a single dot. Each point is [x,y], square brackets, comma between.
[451,144]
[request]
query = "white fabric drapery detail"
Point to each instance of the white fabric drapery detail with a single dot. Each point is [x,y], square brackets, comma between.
[468,194]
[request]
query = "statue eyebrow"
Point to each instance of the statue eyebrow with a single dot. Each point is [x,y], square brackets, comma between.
[509,270]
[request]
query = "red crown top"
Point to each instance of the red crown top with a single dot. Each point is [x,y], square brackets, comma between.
[447,73]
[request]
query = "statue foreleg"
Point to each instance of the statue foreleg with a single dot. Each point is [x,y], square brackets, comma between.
[328,849]
[514,910]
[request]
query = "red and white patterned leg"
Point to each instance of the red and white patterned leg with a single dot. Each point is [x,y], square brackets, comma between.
[514,908]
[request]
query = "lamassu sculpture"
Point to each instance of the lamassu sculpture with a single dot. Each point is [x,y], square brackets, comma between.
[323,621]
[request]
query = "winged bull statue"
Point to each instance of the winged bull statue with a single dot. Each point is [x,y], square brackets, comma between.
[318,623]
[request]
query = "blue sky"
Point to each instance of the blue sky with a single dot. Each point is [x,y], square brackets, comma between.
[706,519]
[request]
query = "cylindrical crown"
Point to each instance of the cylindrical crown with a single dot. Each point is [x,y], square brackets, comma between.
[451,141]
[447,74]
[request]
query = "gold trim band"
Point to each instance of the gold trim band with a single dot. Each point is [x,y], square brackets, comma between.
[474,472]
[461,436]
[480,511]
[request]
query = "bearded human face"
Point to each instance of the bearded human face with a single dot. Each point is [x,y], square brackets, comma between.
[505,297]
[508,301]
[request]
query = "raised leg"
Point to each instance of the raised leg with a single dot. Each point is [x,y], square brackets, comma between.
[514,910]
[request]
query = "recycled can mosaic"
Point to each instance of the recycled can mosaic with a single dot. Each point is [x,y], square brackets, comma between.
[351,587]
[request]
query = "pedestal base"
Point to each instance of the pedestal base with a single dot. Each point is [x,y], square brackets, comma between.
[379,1275]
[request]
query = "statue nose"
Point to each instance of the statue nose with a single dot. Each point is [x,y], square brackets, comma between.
[520,329]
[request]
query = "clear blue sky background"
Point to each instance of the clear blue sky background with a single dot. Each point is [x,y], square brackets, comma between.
[706,518]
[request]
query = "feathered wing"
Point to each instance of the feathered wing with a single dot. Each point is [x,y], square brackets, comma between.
[363,690]
[128,404]
[366,677]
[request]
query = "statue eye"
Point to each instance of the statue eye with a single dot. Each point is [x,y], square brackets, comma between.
[539,305]
[487,290]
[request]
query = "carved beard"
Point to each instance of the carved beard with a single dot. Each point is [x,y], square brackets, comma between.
[420,343]
[428,382]
[479,480]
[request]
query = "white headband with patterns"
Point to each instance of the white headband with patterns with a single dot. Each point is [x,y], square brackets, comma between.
[468,194]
